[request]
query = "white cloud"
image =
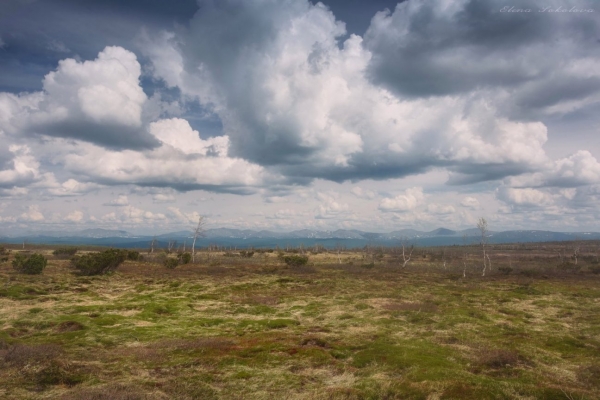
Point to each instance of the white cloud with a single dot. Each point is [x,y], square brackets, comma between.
[133,215]
[579,169]
[408,200]
[33,214]
[330,206]
[75,216]
[163,198]
[470,202]
[72,187]
[363,193]
[525,197]
[440,209]
[120,201]
[25,168]
[100,101]
[178,133]
[355,129]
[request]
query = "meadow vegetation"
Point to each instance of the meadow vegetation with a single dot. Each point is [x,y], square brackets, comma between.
[342,325]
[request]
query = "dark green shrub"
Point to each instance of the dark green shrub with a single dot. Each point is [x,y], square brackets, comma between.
[171,263]
[3,259]
[99,263]
[295,260]
[133,255]
[33,264]
[65,251]
[184,258]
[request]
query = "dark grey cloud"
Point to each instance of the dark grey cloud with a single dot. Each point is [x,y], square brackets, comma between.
[111,136]
[35,32]
[357,14]
[424,49]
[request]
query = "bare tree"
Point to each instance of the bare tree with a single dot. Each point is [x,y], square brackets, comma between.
[406,252]
[576,248]
[482,225]
[152,244]
[198,232]
[338,250]
[465,255]
[444,257]
[172,244]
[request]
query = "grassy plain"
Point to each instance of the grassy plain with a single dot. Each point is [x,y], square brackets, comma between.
[232,327]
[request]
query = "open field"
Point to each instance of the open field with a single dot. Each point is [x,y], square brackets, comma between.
[353,325]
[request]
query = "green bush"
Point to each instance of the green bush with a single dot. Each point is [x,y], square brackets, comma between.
[295,260]
[171,263]
[184,258]
[133,255]
[33,264]
[99,263]
[65,251]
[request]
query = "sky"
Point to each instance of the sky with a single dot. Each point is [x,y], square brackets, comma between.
[292,114]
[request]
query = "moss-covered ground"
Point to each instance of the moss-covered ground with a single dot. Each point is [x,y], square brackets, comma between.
[254,328]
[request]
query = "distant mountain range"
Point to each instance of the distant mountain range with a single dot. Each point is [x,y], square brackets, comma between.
[307,237]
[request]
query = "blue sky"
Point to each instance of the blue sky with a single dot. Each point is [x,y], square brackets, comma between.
[288,114]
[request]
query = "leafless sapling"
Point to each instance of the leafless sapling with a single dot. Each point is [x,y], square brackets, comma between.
[406,252]
[482,225]
[199,232]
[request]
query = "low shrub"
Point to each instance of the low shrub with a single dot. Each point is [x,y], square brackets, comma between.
[246,253]
[32,264]
[65,251]
[184,258]
[171,263]
[295,260]
[133,255]
[568,267]
[99,263]
[3,251]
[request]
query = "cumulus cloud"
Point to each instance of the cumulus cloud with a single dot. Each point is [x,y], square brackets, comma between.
[408,200]
[166,166]
[579,169]
[319,115]
[363,193]
[32,214]
[133,215]
[330,206]
[71,187]
[470,202]
[100,101]
[75,216]
[440,209]
[420,48]
[525,197]
[23,168]
[120,201]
